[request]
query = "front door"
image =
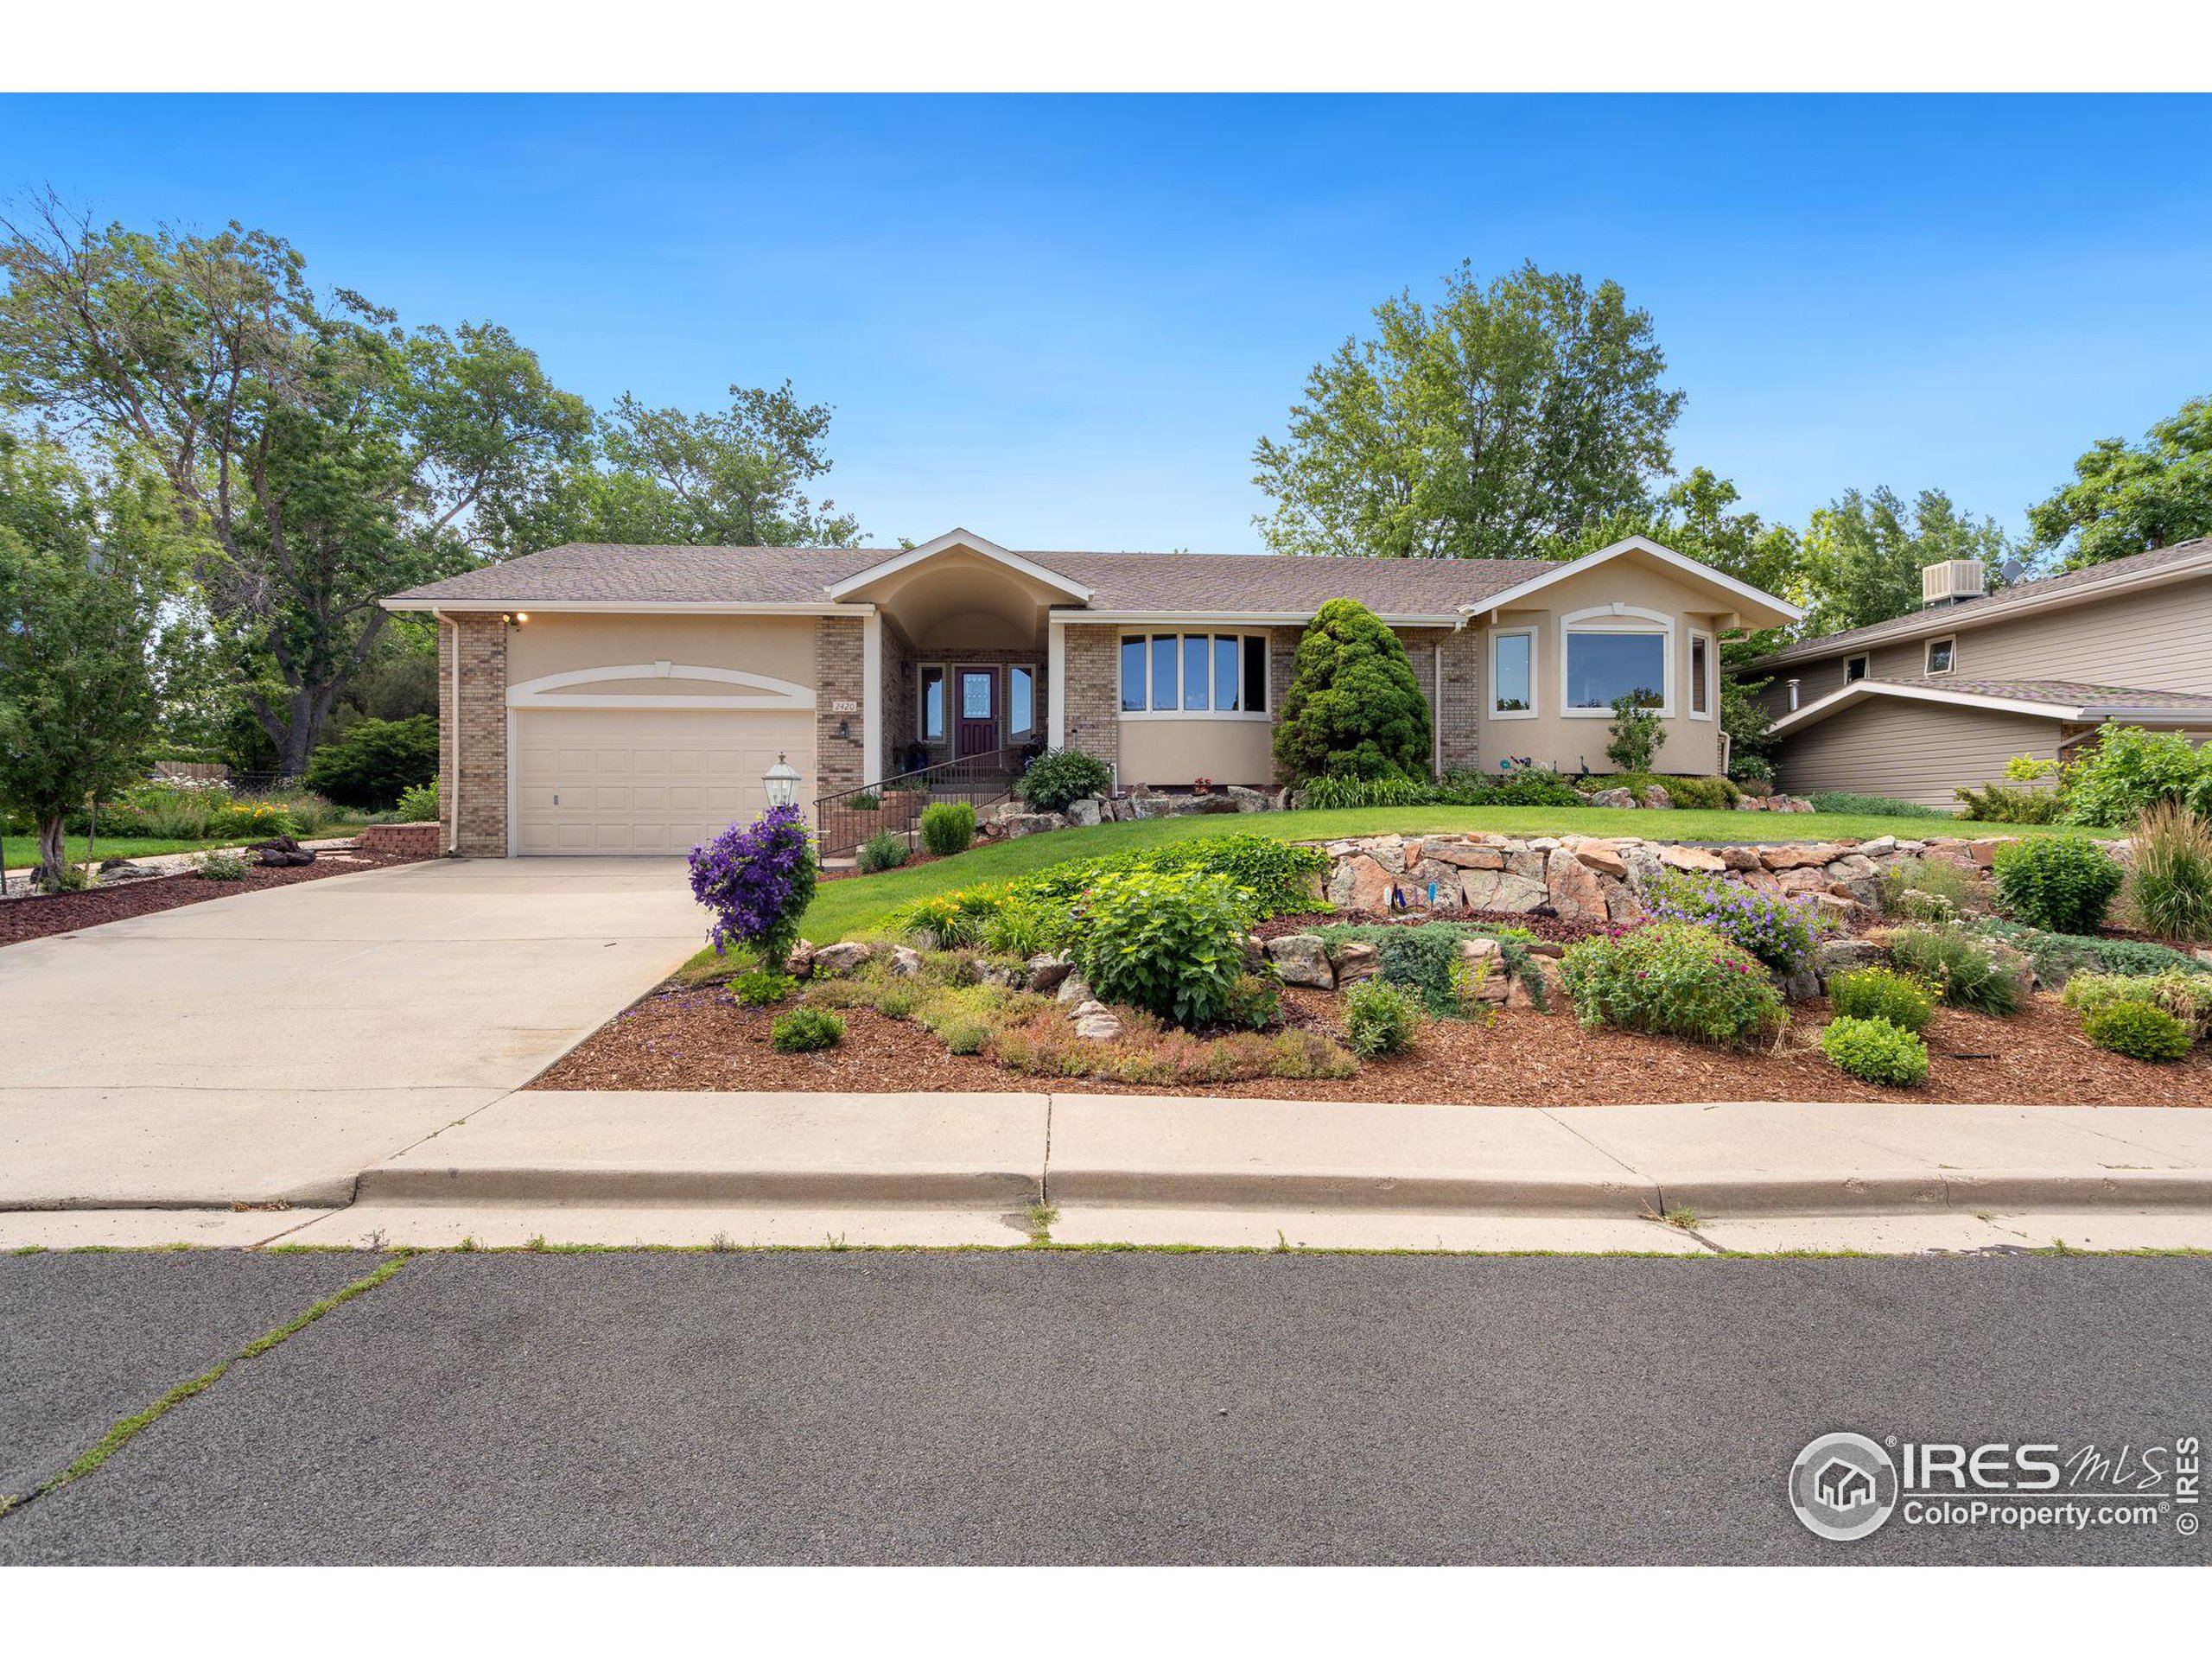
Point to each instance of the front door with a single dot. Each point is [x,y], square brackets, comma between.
[976,695]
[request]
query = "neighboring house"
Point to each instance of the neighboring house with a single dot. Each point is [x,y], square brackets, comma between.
[598,699]
[1916,706]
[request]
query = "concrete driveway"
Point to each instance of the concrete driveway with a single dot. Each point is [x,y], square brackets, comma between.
[275,1045]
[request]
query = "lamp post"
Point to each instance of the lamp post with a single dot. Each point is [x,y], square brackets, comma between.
[781,781]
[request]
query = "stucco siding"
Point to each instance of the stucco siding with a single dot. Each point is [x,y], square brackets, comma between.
[1910,751]
[1177,751]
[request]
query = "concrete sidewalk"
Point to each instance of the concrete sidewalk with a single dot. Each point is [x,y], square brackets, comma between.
[941,1168]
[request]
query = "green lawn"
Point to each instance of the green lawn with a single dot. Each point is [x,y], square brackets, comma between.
[23,848]
[843,909]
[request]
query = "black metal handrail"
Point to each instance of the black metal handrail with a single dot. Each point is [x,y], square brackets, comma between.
[981,779]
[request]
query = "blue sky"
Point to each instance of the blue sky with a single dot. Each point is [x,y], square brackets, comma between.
[1063,321]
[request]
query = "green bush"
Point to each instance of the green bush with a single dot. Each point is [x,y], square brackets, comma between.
[2171,892]
[1880,994]
[1968,971]
[760,989]
[1282,879]
[1701,794]
[2140,1031]
[947,828]
[219,867]
[1355,708]
[1632,738]
[1164,941]
[1255,1002]
[1336,794]
[1058,776]
[375,761]
[2188,997]
[1874,1051]
[803,1030]
[1751,769]
[2062,884]
[1024,926]
[1845,800]
[880,851]
[418,804]
[1521,787]
[2130,771]
[1673,980]
[1999,804]
[1780,931]
[1379,1019]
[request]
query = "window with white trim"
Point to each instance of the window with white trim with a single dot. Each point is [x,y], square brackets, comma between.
[929,704]
[1223,675]
[1513,674]
[1942,655]
[1854,668]
[1621,652]
[1700,677]
[1021,700]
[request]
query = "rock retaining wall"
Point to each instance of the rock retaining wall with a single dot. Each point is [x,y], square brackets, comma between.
[1589,879]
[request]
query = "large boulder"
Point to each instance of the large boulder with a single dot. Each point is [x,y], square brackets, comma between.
[905,961]
[1360,883]
[1045,972]
[1463,855]
[1574,888]
[1087,811]
[1847,956]
[1074,992]
[1486,969]
[833,961]
[1700,859]
[1030,823]
[1614,797]
[1502,891]
[1301,959]
[1356,961]
[1603,857]
[1656,798]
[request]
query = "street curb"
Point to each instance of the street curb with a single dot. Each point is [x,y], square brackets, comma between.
[581,1185]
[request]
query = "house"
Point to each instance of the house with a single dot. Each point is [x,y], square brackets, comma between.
[1914,706]
[608,699]
[1843,1486]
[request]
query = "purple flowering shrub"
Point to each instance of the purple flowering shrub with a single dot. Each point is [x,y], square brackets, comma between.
[758,878]
[1780,931]
[1673,980]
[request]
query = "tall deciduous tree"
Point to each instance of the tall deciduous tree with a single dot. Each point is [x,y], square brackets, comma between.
[1864,553]
[732,478]
[1506,416]
[91,571]
[326,456]
[2131,497]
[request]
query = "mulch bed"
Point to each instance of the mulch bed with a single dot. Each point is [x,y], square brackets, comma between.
[697,1038]
[41,915]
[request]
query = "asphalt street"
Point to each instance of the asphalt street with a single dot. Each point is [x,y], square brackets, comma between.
[1038,1407]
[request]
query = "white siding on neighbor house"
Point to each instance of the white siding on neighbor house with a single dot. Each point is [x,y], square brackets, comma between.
[1910,751]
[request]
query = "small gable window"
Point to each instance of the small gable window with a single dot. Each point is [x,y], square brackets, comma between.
[1941,653]
[1854,668]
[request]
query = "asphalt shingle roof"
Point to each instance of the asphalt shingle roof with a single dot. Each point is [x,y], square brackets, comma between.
[2060,693]
[1914,622]
[587,571]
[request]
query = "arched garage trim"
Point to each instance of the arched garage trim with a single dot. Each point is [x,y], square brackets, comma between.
[750,691]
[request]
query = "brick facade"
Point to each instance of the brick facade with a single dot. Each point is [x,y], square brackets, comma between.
[839,762]
[480,773]
[1454,707]
[1093,667]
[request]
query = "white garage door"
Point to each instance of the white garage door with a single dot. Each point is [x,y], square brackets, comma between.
[646,781]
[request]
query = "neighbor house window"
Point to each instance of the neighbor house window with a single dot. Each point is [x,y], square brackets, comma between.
[1194,674]
[1939,655]
[1513,673]
[1020,700]
[1854,668]
[929,706]
[1604,663]
[1700,677]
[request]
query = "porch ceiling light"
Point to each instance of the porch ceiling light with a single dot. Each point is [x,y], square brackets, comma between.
[781,781]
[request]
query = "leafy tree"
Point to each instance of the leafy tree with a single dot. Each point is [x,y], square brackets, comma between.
[665,477]
[90,570]
[1505,417]
[324,456]
[377,761]
[2131,497]
[1354,708]
[1864,553]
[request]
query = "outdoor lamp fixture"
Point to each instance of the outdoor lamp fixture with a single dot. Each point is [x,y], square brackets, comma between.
[782,783]
[514,618]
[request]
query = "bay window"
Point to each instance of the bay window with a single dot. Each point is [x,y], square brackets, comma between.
[1618,651]
[1216,675]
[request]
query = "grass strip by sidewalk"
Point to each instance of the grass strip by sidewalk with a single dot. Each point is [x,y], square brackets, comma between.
[131,1428]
